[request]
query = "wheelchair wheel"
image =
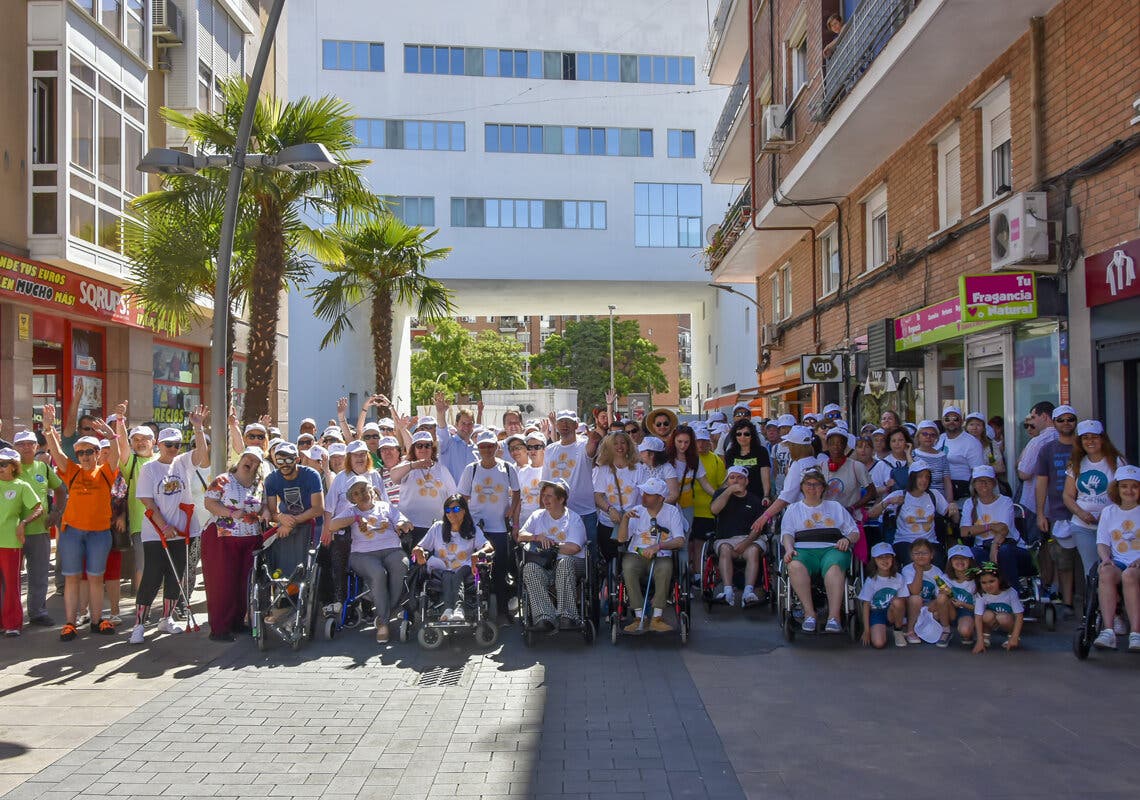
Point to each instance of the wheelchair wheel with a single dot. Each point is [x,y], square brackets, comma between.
[615,633]
[486,634]
[683,623]
[1049,617]
[789,628]
[527,636]
[589,632]
[328,629]
[429,638]
[1082,644]
[404,630]
[853,625]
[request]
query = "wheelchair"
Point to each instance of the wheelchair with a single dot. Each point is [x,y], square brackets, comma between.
[710,576]
[279,603]
[423,607]
[621,613]
[1092,621]
[588,602]
[788,606]
[357,609]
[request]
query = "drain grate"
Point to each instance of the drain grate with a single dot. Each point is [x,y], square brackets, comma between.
[441,676]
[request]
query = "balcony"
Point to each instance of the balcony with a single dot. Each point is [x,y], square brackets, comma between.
[729,151]
[728,40]
[724,239]
[896,65]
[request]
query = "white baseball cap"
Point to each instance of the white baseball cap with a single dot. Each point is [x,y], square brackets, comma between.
[170,435]
[917,467]
[536,437]
[91,440]
[882,549]
[951,410]
[565,413]
[926,423]
[421,436]
[559,483]
[1127,473]
[316,453]
[332,433]
[308,421]
[387,441]
[652,486]
[651,443]
[1084,427]
[799,434]
[718,416]
[1061,411]
[785,420]
[141,430]
[486,437]
[356,446]
[960,550]
[256,452]
[254,426]
[975,415]
[386,422]
[8,454]
[427,422]
[736,469]
[832,408]
[983,471]
[25,436]
[336,449]
[703,434]
[370,426]
[286,447]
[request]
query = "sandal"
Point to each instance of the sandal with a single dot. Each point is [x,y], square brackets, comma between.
[67,633]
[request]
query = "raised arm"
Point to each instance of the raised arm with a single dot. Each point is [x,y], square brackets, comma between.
[237,442]
[200,455]
[52,437]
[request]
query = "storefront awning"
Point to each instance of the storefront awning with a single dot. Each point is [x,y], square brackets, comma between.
[750,396]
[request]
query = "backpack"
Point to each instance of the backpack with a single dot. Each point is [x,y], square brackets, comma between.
[121,507]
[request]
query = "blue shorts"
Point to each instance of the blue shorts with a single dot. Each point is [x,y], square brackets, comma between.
[879,617]
[1120,565]
[964,613]
[76,548]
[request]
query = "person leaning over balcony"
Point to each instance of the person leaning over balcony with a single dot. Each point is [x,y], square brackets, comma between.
[835,25]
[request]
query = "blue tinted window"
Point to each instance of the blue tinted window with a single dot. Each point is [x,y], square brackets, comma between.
[376,133]
[506,63]
[328,54]
[687,71]
[442,60]
[535,139]
[520,63]
[359,56]
[427,135]
[360,131]
[411,58]
[534,65]
[673,69]
[521,136]
[659,69]
[674,144]
[411,135]
[613,67]
[645,143]
[491,138]
[376,57]
[457,61]
[458,212]
[688,144]
[598,137]
[458,136]
[613,141]
[570,141]
[644,69]
[597,67]
[582,66]
[491,213]
[427,60]
[344,55]
[507,138]
[584,141]
[491,62]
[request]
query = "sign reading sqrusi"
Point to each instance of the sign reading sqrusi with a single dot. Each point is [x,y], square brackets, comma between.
[52,289]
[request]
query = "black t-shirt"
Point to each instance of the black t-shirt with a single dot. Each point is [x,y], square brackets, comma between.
[738,514]
[753,462]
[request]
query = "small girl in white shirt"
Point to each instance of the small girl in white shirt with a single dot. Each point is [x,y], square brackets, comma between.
[997,608]
[922,579]
[961,589]
[884,599]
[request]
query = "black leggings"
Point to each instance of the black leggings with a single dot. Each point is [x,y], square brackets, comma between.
[502,564]
[156,570]
[338,551]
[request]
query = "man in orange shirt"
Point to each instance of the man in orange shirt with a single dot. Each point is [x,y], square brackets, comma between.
[85,538]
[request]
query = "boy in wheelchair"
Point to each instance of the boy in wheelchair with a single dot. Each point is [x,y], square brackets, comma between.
[736,510]
[816,536]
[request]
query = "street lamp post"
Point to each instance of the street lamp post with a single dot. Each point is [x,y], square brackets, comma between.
[612,410]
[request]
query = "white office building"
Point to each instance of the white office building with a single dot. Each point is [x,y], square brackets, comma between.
[558,148]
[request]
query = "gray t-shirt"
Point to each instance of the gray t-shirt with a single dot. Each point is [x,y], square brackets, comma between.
[1052,462]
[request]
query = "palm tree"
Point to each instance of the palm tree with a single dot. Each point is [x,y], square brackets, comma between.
[274,247]
[385,261]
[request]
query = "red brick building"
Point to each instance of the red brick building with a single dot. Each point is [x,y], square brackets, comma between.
[884,163]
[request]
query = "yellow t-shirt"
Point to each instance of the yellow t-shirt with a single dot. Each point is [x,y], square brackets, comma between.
[715,471]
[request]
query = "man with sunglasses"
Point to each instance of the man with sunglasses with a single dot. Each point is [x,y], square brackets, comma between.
[295,497]
[1052,464]
[832,413]
[963,452]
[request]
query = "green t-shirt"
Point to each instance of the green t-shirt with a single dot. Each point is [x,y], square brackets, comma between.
[17,499]
[42,479]
[130,472]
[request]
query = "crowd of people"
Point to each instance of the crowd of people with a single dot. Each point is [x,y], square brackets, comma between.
[945,527]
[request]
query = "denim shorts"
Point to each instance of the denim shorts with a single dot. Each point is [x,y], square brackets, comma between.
[879,617]
[77,547]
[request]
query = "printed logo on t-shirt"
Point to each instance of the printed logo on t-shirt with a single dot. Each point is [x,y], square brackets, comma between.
[1092,481]
[919,519]
[883,597]
[563,466]
[962,595]
[819,520]
[171,485]
[428,486]
[929,591]
[530,492]
[835,488]
[293,500]
[40,478]
[557,532]
[999,608]
[487,492]
[10,494]
[1124,537]
[612,495]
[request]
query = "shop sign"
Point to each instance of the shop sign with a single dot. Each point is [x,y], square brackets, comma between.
[936,323]
[25,326]
[826,368]
[1004,296]
[1111,274]
[53,289]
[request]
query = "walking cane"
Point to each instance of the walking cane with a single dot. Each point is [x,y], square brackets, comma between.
[191,623]
[649,580]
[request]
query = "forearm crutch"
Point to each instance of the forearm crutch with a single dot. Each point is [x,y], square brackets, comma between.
[191,623]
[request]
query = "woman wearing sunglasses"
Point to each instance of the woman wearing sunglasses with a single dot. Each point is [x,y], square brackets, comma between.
[744,449]
[424,482]
[447,550]
[164,489]
[534,450]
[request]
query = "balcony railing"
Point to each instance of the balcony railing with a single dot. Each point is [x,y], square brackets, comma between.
[861,40]
[737,97]
[720,22]
[738,217]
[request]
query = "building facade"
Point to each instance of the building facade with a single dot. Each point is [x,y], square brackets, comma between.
[83,82]
[923,214]
[556,151]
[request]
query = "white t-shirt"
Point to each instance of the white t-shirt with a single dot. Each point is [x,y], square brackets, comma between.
[963,453]
[1006,602]
[845,485]
[568,529]
[630,495]
[688,476]
[450,555]
[199,483]
[963,591]
[929,587]
[168,485]
[792,493]
[800,517]
[880,590]
[1092,486]
[337,495]
[1120,531]
[881,473]
[640,526]
[570,463]
[374,529]
[422,492]
[1000,510]
[528,490]
[489,492]
[665,472]
[916,515]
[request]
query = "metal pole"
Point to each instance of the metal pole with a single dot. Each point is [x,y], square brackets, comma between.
[612,354]
[220,392]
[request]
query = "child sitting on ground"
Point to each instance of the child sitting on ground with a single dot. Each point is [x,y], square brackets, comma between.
[921,577]
[962,590]
[997,608]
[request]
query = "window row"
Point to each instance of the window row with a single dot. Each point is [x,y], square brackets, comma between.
[407,134]
[568,140]
[547,64]
[682,144]
[667,214]
[494,212]
[354,56]
[125,19]
[413,210]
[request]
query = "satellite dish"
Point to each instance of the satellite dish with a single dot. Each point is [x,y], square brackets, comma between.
[710,232]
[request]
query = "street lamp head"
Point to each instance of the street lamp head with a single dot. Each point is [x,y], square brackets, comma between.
[163,161]
[308,157]
[612,309]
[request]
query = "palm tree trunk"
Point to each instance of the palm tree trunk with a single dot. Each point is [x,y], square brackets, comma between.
[381,329]
[264,299]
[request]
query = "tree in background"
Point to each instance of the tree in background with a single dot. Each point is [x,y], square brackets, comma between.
[580,359]
[385,262]
[487,360]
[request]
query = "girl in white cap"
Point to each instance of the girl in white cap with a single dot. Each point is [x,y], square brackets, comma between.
[1092,469]
[989,518]
[926,451]
[1118,546]
[884,599]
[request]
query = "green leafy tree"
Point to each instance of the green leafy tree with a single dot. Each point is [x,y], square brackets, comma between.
[274,248]
[385,262]
[487,360]
[580,359]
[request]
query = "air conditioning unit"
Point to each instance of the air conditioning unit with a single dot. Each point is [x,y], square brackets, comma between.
[775,129]
[769,334]
[1019,231]
[167,22]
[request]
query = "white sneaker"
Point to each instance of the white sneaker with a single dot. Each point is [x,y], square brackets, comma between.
[165,625]
[1134,643]
[900,638]
[749,598]
[728,596]
[1106,640]
[1118,626]
[458,616]
[446,615]
[137,634]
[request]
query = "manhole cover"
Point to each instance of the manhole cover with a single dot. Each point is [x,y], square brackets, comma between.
[441,676]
